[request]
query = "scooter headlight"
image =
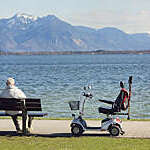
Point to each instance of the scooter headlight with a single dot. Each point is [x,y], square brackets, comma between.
[118,120]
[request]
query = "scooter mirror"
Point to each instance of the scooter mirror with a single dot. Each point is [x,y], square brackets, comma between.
[84,88]
[89,87]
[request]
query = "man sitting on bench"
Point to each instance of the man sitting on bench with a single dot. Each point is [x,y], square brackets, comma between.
[11,91]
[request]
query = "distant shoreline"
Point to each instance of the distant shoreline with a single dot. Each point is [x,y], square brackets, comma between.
[97,52]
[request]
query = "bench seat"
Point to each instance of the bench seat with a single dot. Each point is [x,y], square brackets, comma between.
[30,114]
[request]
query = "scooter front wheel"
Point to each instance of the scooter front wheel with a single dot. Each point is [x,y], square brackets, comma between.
[76,130]
[114,130]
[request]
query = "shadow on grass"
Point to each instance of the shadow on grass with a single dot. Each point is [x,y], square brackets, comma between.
[8,133]
[53,135]
[70,135]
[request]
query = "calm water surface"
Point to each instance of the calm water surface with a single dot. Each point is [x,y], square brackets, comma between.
[57,79]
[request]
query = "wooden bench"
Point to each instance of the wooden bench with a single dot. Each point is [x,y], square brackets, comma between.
[23,105]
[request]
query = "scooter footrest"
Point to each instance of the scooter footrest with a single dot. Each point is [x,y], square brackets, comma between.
[93,128]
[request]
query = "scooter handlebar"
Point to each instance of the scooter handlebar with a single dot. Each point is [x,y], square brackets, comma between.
[89,95]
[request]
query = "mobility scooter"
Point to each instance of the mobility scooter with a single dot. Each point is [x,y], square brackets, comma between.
[111,123]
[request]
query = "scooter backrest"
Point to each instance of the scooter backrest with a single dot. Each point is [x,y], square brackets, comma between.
[121,102]
[125,100]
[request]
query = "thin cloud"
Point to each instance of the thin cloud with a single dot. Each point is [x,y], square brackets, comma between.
[135,22]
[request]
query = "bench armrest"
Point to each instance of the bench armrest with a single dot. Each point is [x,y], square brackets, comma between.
[106,101]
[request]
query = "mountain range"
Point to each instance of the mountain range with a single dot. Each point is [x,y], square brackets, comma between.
[24,32]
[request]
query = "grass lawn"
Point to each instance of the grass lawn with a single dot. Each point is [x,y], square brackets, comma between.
[48,118]
[71,143]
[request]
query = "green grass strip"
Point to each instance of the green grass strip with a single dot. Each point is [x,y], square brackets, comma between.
[49,118]
[81,143]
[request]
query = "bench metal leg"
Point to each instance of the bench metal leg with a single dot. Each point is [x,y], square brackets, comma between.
[30,121]
[15,120]
[24,118]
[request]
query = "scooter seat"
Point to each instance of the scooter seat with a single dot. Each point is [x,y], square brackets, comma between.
[105,110]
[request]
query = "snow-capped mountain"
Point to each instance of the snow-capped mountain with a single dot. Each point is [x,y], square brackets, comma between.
[21,21]
[27,32]
[25,17]
[22,18]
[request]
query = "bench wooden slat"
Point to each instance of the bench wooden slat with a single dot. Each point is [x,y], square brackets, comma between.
[34,109]
[10,99]
[10,104]
[33,100]
[10,108]
[4,114]
[33,105]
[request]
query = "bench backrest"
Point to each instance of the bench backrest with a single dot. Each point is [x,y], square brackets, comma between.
[30,104]
[33,104]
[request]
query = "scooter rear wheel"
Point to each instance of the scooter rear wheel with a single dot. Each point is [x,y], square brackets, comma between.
[77,130]
[114,130]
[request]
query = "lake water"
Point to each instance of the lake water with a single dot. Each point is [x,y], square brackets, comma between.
[58,79]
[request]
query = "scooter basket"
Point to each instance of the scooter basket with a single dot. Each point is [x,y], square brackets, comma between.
[74,105]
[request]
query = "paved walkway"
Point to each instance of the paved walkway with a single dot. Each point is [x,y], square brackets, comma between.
[61,128]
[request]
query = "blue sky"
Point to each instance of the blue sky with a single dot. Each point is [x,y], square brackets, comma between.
[132,16]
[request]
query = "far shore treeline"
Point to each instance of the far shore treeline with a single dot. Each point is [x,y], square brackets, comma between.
[73,52]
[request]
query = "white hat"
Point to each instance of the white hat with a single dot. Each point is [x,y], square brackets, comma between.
[10,81]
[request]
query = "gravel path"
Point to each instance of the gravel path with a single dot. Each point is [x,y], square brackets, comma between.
[61,128]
